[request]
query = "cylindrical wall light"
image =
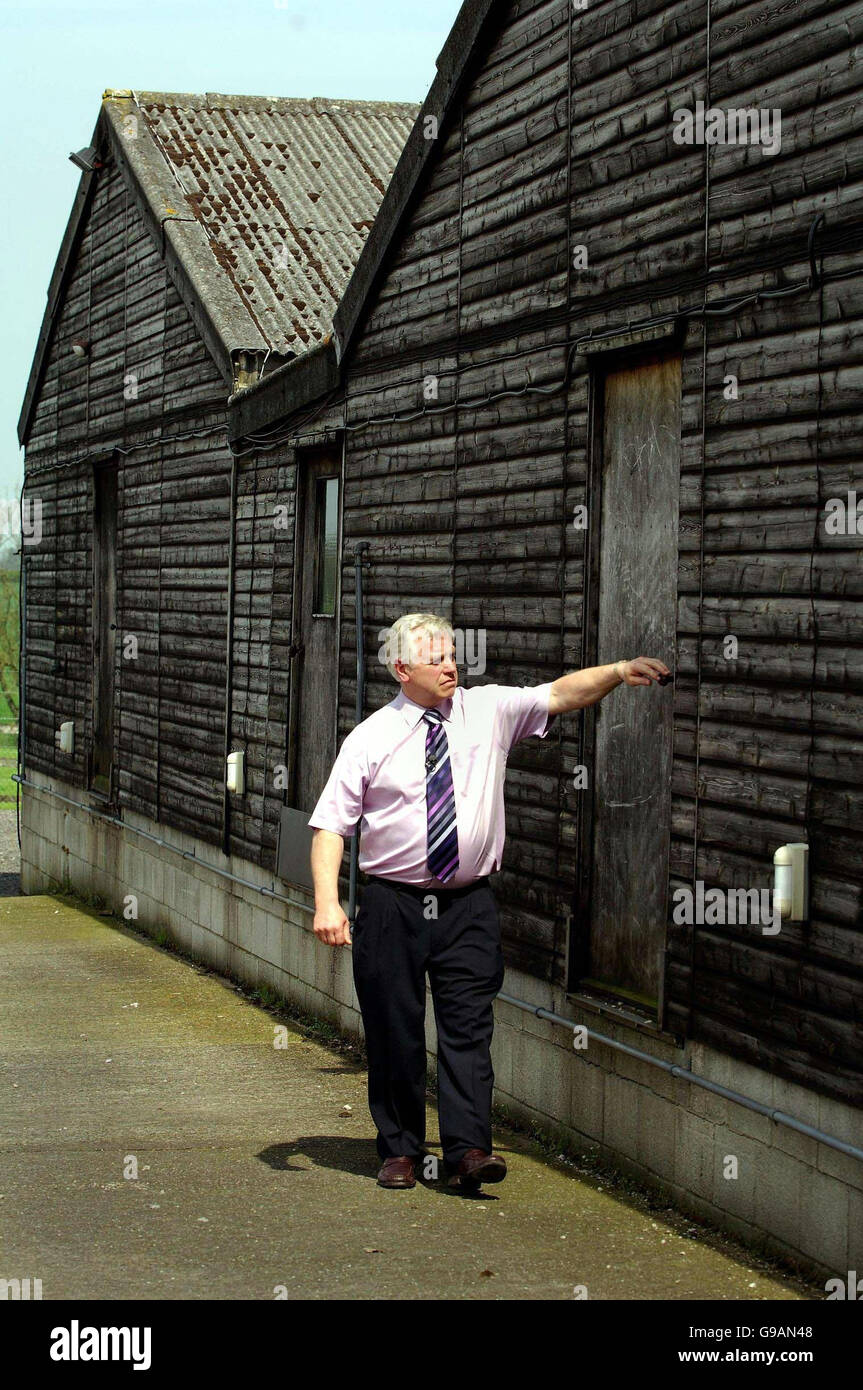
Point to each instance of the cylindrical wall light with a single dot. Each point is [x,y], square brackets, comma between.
[236,774]
[791,882]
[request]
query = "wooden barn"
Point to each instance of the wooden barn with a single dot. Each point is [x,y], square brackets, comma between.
[591,392]
[210,240]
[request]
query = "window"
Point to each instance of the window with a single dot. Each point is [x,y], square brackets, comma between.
[314,629]
[326,546]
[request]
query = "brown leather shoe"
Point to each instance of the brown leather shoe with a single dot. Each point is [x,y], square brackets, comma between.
[477,1167]
[399,1171]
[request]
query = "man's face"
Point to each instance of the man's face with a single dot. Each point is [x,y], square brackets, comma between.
[432,675]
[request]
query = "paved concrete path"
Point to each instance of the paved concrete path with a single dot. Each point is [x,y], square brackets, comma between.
[249,1174]
[10,854]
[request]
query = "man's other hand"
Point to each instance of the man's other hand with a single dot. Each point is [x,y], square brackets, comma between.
[643,670]
[332,926]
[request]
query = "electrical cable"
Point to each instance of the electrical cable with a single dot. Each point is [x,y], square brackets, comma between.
[264,442]
[818,282]
[32,472]
[488,337]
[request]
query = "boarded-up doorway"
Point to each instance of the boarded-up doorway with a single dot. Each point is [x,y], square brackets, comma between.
[104,623]
[631,611]
[314,668]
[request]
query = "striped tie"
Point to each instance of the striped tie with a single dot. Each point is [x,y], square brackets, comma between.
[440,800]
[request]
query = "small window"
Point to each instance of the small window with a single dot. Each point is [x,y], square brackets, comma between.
[326,546]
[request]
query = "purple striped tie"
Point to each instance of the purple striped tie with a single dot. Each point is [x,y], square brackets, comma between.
[440,800]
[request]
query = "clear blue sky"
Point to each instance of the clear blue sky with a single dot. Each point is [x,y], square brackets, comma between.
[59,57]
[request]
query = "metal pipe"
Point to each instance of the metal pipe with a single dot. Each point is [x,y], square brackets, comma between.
[229,662]
[681,1072]
[166,844]
[359,615]
[685,1075]
[22,660]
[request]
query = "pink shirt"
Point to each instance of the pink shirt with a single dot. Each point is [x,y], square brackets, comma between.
[379,779]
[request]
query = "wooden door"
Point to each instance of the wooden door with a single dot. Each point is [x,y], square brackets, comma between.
[104,624]
[636,479]
[314,674]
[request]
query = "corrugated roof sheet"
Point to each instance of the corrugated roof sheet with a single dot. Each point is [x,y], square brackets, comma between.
[286,191]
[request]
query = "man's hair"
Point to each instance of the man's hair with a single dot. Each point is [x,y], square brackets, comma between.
[399,641]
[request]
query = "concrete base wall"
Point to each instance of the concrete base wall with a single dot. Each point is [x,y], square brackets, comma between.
[792,1196]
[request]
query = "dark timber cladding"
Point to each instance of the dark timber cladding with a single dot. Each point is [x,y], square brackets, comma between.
[211,235]
[147,374]
[562,308]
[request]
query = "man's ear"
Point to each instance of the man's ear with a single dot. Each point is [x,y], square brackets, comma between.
[402,672]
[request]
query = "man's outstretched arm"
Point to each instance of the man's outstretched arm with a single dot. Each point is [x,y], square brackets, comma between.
[331,924]
[586,687]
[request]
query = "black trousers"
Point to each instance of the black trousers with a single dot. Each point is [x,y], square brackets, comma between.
[397,938]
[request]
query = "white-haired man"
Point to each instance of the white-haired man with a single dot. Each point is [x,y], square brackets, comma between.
[424,776]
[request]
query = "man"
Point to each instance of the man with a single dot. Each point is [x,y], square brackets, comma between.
[425,776]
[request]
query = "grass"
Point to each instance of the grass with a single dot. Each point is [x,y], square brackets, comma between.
[8,764]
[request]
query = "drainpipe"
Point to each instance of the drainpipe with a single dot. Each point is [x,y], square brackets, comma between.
[22,675]
[362,547]
[229,664]
[22,661]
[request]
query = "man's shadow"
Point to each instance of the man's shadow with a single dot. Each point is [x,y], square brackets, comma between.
[336,1151]
[360,1157]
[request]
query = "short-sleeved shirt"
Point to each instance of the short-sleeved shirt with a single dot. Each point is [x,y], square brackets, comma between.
[379,780]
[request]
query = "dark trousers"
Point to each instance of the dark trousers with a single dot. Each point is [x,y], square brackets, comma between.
[396,939]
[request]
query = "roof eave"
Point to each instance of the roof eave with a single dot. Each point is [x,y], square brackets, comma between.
[284,391]
[62,267]
[452,66]
[223,322]
[274,399]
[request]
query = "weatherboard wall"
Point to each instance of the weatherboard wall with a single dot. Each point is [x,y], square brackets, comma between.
[467,507]
[466,500]
[149,393]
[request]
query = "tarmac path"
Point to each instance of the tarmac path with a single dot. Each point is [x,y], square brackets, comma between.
[253,1178]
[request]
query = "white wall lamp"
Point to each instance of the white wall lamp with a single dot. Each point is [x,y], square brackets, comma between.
[236,775]
[791,882]
[65,737]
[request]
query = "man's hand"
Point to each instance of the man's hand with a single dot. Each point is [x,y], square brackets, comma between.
[643,670]
[332,926]
[582,688]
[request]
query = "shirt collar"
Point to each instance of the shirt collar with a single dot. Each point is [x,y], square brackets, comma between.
[412,713]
